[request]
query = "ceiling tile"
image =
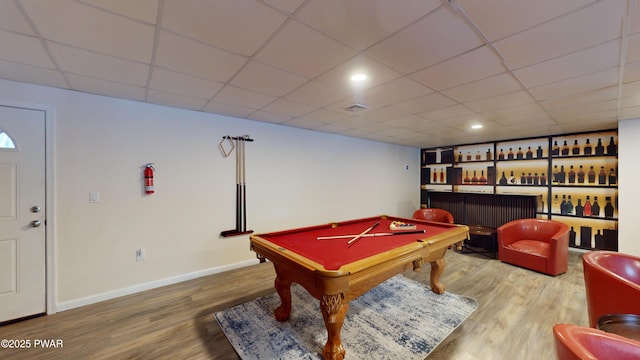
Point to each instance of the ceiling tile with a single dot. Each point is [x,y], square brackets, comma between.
[506,115]
[361,23]
[579,30]
[267,79]
[174,100]
[437,37]
[105,87]
[91,64]
[583,98]
[340,76]
[289,6]
[316,94]
[495,85]
[594,81]
[457,71]
[143,10]
[24,49]
[240,26]
[285,106]
[177,83]
[398,90]
[180,54]
[31,74]
[303,51]
[228,109]
[102,31]
[302,123]
[501,101]
[241,97]
[383,114]
[269,117]
[583,62]
[425,103]
[632,72]
[498,18]
[633,48]
[448,112]
[12,19]
[324,116]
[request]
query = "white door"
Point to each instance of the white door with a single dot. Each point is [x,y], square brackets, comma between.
[22,213]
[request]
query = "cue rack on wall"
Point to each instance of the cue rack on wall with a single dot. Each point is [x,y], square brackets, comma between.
[227,145]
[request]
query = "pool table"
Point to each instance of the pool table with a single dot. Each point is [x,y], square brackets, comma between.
[338,270]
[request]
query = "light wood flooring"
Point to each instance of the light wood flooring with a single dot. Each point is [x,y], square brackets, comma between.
[517,309]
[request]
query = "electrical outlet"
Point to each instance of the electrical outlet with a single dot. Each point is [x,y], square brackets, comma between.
[140,254]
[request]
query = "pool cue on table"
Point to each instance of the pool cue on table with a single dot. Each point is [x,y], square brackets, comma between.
[353,241]
[372,235]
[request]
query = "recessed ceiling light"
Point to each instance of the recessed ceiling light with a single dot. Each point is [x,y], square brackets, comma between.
[476,126]
[359,77]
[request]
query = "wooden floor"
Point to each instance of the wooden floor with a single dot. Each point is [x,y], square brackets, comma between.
[517,309]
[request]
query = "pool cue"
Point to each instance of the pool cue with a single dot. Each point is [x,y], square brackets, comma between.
[372,235]
[243,187]
[353,241]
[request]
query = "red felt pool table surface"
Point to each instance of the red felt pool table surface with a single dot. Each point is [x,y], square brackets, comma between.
[334,253]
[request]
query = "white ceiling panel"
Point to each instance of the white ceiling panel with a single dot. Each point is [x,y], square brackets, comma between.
[522,68]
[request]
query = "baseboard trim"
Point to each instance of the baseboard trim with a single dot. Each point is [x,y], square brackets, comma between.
[72,304]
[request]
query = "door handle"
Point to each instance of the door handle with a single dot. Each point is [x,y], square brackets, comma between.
[35,223]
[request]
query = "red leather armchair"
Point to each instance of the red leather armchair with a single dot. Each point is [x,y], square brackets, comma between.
[433,214]
[583,343]
[612,284]
[535,244]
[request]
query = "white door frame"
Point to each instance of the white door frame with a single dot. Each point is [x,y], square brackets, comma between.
[50,207]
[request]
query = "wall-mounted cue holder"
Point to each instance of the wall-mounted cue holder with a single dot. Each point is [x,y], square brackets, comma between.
[227,145]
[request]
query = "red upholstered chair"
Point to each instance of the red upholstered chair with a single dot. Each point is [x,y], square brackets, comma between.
[583,343]
[434,214]
[612,284]
[535,244]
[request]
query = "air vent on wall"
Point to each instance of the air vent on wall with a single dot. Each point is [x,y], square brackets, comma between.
[355,107]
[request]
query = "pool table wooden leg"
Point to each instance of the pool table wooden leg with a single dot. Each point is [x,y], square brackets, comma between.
[283,287]
[437,267]
[334,309]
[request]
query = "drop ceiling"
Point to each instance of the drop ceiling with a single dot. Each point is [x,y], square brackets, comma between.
[521,68]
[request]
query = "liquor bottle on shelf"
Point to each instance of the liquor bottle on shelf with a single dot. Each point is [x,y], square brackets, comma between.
[435,176]
[591,175]
[588,149]
[612,148]
[565,149]
[510,154]
[523,179]
[501,155]
[595,208]
[569,205]
[613,179]
[602,176]
[529,153]
[562,176]
[512,179]
[442,175]
[536,179]
[579,208]
[563,205]
[460,157]
[489,155]
[468,155]
[478,157]
[540,204]
[543,179]
[608,208]
[599,148]
[519,154]
[572,237]
[503,179]
[539,152]
[599,240]
[529,179]
[466,179]
[580,175]
[555,150]
[482,180]
[587,207]
[571,176]
[556,173]
[575,150]
[474,179]
[556,202]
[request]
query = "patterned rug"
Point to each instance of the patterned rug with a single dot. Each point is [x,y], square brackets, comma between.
[399,319]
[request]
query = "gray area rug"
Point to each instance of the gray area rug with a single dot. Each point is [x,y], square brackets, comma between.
[399,319]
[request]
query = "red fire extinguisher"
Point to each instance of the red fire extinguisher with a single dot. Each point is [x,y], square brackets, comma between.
[148,178]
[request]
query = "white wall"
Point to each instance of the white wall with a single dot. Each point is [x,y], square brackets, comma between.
[294,178]
[628,189]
